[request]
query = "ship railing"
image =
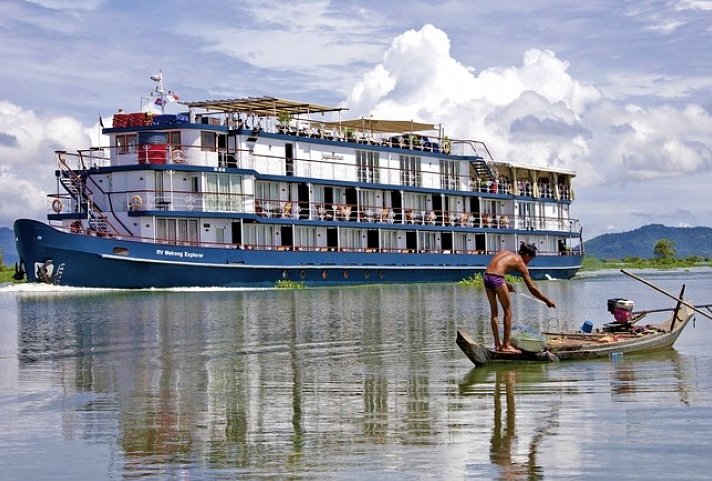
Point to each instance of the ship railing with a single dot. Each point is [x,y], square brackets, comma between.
[345,212]
[95,157]
[332,167]
[141,200]
[84,159]
[76,228]
[385,250]
[271,208]
[80,197]
[548,223]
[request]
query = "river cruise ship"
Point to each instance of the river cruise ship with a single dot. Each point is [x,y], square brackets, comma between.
[252,191]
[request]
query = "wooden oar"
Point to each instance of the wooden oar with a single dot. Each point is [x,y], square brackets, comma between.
[650,284]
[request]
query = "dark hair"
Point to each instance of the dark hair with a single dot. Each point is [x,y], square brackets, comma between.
[527,250]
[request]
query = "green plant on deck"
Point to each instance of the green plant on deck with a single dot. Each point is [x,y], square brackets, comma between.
[284,118]
[476,280]
[289,284]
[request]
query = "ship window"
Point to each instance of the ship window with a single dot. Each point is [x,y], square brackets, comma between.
[410,170]
[448,174]
[389,240]
[304,237]
[121,144]
[132,143]
[267,193]
[208,141]
[428,241]
[415,201]
[459,241]
[258,235]
[170,230]
[525,215]
[120,251]
[223,192]
[174,139]
[125,144]
[351,239]
[367,166]
[177,230]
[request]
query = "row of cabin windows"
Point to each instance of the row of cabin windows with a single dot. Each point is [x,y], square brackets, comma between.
[186,231]
[387,240]
[128,143]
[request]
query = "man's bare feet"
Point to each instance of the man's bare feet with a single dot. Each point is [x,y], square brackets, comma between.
[508,349]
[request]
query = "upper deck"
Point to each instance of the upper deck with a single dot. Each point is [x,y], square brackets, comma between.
[287,138]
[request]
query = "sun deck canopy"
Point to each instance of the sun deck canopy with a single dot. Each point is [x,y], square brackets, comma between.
[381,125]
[263,106]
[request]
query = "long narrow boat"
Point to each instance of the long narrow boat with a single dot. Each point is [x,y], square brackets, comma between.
[565,346]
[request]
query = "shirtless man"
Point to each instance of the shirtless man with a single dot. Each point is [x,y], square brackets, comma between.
[497,288]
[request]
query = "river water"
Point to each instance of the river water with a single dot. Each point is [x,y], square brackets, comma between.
[352,383]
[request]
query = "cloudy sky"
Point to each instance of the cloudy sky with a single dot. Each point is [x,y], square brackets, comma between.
[619,91]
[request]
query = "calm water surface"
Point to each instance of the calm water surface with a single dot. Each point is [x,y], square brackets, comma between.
[355,383]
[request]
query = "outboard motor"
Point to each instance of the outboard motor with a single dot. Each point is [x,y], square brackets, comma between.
[622,310]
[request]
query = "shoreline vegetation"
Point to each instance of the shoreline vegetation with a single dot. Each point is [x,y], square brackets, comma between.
[590,264]
[595,264]
[6,273]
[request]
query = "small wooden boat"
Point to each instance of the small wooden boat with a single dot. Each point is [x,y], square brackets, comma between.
[564,346]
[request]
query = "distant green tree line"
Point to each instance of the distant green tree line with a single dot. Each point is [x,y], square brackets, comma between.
[663,258]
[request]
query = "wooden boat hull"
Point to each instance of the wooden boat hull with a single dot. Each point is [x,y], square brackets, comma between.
[565,346]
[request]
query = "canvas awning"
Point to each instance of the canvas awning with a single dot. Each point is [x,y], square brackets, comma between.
[263,106]
[379,125]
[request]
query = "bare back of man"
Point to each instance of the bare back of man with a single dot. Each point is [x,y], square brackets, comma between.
[498,289]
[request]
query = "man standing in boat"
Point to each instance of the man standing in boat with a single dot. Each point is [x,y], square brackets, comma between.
[497,288]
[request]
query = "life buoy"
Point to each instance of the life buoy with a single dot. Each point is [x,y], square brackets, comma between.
[136,202]
[57,206]
[178,156]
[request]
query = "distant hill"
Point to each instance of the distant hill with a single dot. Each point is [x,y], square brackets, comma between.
[7,246]
[689,241]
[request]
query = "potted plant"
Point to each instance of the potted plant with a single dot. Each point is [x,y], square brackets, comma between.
[283,120]
[349,132]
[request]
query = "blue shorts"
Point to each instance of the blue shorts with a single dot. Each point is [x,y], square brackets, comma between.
[493,281]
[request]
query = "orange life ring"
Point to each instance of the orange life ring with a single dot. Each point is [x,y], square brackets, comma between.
[57,206]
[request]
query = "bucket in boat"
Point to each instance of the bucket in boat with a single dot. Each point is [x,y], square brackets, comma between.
[528,342]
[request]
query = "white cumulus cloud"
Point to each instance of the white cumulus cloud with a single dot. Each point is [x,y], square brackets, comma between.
[27,143]
[537,113]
